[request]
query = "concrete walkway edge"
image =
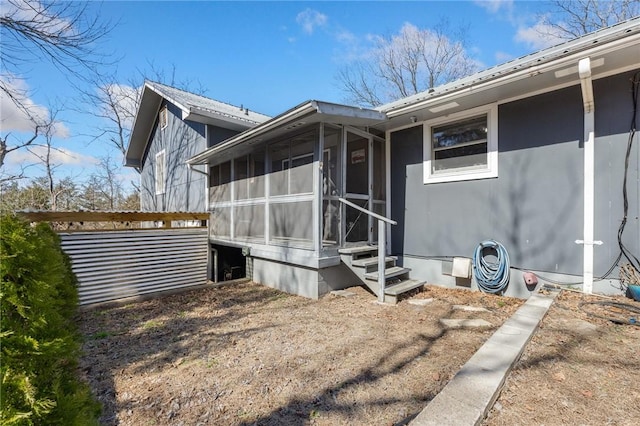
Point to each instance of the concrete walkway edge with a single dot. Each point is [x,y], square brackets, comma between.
[469,396]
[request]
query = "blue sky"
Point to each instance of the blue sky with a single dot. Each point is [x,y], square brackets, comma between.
[268,56]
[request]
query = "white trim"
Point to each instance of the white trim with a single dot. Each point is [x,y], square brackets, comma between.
[160,173]
[490,171]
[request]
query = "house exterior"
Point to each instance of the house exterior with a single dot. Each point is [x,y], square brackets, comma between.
[530,153]
[171,126]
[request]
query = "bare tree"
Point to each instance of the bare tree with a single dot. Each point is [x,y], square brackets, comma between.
[568,19]
[115,101]
[62,33]
[115,105]
[6,147]
[42,126]
[412,61]
[54,189]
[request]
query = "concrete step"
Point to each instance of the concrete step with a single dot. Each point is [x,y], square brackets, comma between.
[370,261]
[396,271]
[358,250]
[403,287]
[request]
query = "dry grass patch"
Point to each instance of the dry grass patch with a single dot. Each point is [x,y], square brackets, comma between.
[578,369]
[246,354]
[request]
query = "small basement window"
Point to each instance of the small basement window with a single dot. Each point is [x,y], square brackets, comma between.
[163,118]
[462,147]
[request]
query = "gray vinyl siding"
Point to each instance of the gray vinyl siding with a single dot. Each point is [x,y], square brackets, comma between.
[535,206]
[185,189]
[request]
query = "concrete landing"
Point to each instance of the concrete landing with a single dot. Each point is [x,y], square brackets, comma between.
[469,396]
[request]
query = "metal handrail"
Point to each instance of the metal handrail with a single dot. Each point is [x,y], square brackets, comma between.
[382,237]
[369,212]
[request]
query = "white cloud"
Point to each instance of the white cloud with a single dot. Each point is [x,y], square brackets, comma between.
[310,19]
[538,36]
[495,6]
[59,156]
[21,113]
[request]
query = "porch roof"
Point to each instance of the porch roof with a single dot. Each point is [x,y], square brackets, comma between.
[309,112]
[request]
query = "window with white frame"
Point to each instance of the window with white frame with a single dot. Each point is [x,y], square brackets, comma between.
[163,118]
[161,175]
[462,146]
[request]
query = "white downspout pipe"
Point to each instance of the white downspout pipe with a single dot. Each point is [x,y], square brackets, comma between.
[584,71]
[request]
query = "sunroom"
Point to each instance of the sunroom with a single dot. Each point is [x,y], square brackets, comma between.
[275,190]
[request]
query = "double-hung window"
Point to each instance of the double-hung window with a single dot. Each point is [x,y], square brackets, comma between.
[462,146]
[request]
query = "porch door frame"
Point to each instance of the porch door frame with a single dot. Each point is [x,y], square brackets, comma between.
[369,196]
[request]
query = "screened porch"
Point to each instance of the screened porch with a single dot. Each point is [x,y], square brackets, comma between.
[286,192]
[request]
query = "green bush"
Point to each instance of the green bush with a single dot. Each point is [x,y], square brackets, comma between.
[39,341]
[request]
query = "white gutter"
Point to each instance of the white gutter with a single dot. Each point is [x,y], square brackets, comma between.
[549,60]
[584,71]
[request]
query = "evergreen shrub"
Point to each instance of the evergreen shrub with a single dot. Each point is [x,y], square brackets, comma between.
[39,340]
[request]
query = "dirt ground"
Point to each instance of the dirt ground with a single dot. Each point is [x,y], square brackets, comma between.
[578,369]
[246,354]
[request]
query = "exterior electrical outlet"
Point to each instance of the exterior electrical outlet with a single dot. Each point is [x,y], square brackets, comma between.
[461,267]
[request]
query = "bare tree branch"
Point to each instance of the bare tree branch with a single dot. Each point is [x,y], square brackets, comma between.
[412,61]
[568,19]
[61,32]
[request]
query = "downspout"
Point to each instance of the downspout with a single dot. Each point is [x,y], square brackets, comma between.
[586,84]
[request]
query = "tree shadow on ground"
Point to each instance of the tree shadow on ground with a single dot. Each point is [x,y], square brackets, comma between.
[300,411]
[151,334]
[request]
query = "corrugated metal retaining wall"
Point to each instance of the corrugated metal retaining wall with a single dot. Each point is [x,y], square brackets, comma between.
[115,265]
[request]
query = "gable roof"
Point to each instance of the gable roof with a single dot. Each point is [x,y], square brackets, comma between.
[610,49]
[193,108]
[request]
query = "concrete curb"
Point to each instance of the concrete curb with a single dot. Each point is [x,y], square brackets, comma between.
[469,396]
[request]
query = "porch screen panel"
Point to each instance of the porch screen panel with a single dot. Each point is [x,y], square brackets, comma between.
[240,168]
[289,224]
[249,223]
[301,165]
[331,187]
[220,223]
[331,163]
[279,177]
[357,223]
[256,182]
[357,164]
[379,165]
[330,222]
[381,209]
[220,181]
